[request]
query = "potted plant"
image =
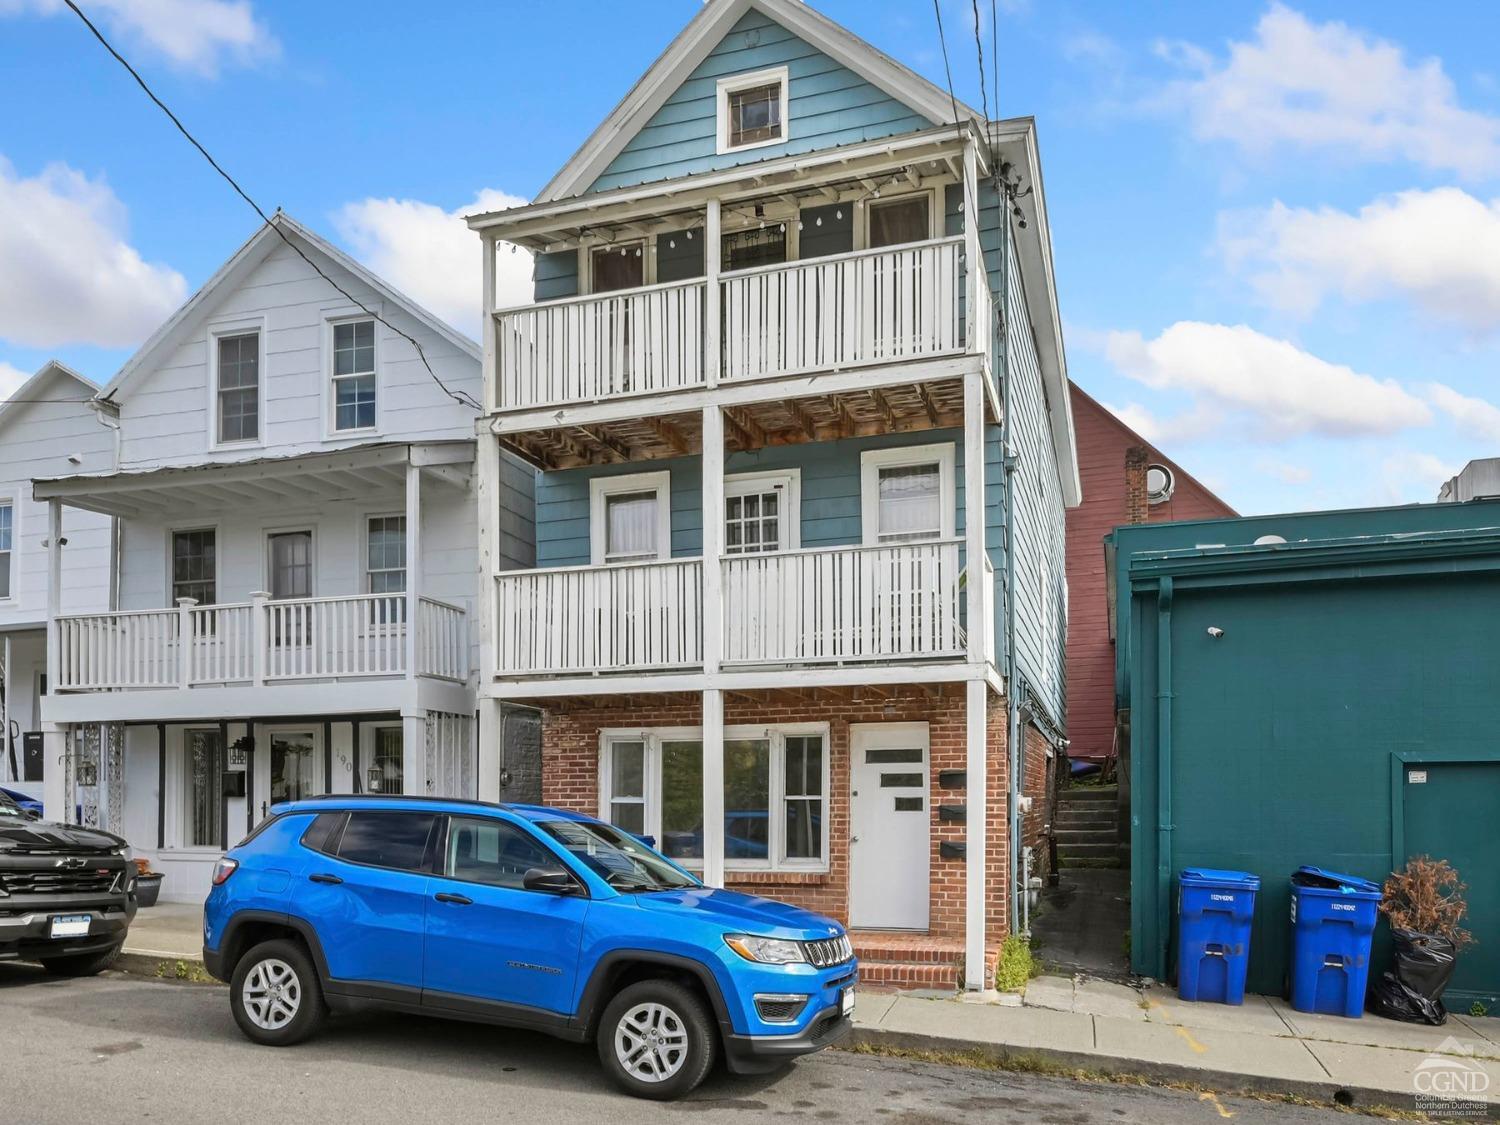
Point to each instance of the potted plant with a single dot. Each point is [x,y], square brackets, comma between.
[147,883]
[1424,903]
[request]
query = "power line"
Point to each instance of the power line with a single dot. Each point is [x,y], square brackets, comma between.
[458,396]
[995,64]
[937,10]
[984,97]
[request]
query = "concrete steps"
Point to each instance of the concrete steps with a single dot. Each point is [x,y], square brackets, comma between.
[900,960]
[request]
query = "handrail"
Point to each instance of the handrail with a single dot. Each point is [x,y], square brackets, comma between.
[596,566]
[580,298]
[830,259]
[847,547]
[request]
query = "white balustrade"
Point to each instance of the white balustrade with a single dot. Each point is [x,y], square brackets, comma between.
[582,349]
[600,619]
[318,638]
[222,643]
[875,306]
[442,640]
[843,604]
[118,650]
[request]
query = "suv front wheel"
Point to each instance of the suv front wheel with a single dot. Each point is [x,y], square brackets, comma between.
[275,994]
[656,1040]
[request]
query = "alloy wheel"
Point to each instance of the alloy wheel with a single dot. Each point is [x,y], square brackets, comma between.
[272,994]
[651,1042]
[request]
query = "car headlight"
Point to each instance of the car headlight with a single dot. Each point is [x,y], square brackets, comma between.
[128,853]
[765,950]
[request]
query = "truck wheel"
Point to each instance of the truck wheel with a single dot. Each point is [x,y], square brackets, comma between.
[275,994]
[656,1040]
[82,964]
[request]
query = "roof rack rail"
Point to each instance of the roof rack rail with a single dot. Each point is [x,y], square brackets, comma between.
[396,797]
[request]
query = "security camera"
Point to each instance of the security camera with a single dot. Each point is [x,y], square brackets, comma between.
[1215,632]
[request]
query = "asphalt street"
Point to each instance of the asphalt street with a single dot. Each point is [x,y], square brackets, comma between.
[125,1049]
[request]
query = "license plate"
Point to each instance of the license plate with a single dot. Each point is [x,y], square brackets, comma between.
[848,1001]
[70,925]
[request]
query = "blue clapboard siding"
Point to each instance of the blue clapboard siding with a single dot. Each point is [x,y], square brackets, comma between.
[827,230]
[830,514]
[828,105]
[555,275]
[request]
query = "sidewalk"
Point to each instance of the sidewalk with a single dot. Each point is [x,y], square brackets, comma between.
[1263,1047]
[160,937]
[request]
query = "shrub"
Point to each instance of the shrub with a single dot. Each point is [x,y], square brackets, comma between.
[1017,966]
[1427,896]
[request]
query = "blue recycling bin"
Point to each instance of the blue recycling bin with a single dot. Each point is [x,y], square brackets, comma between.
[1333,920]
[1214,911]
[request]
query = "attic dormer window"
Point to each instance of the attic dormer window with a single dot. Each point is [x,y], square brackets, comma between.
[752,109]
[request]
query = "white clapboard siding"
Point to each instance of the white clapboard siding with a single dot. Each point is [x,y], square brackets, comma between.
[600,619]
[442,640]
[843,604]
[634,341]
[874,306]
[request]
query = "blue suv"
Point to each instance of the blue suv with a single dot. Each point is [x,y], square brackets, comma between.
[518,915]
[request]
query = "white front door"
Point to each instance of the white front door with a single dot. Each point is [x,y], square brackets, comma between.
[288,766]
[889,826]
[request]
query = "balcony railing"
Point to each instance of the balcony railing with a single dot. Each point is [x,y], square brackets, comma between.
[600,618]
[844,605]
[261,641]
[873,306]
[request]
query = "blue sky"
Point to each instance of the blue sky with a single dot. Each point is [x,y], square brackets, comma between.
[1277,226]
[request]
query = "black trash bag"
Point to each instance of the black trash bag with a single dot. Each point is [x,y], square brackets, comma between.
[1412,990]
[1395,1001]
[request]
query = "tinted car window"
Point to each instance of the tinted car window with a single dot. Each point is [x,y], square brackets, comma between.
[322,833]
[387,839]
[493,852]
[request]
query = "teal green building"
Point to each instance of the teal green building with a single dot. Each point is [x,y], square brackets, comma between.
[1319,688]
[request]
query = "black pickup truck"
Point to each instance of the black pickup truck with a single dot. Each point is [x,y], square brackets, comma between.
[67,894]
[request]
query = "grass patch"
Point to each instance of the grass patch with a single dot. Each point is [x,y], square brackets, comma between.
[1017,964]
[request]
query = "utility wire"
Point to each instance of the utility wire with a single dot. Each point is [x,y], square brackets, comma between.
[984,97]
[458,396]
[995,66]
[937,10]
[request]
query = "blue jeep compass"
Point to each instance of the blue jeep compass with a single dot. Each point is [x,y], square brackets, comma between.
[519,915]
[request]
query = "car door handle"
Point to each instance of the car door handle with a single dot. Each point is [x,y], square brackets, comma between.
[324,877]
[456,900]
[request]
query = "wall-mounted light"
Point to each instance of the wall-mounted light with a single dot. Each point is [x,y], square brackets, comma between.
[1215,632]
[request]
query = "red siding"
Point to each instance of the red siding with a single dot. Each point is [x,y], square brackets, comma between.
[1103,442]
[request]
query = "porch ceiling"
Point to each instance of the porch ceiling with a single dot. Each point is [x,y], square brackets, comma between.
[900,408]
[305,479]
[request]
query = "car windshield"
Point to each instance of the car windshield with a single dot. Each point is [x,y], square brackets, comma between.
[620,860]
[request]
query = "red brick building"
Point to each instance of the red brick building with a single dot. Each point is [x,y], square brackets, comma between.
[1125,480]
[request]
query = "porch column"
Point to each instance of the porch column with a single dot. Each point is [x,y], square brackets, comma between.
[488,722]
[54,589]
[978,595]
[413,564]
[55,799]
[713,787]
[713,641]
[712,308]
[57,802]
[414,753]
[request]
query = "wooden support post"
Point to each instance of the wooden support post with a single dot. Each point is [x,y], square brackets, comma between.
[185,641]
[260,635]
[413,564]
[713,349]
[161,785]
[224,798]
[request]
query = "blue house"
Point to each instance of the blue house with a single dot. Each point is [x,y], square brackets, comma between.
[795,389]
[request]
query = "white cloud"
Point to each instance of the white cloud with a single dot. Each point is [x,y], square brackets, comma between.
[1439,248]
[1284,471]
[1472,417]
[1273,388]
[1198,423]
[192,35]
[11,379]
[432,255]
[1331,87]
[1411,477]
[67,274]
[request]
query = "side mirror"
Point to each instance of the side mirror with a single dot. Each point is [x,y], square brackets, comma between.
[31,814]
[551,880]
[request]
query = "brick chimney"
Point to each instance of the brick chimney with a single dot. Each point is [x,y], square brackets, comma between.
[1136,505]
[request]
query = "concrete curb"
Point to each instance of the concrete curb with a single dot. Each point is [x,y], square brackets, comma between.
[1219,1081]
[160,966]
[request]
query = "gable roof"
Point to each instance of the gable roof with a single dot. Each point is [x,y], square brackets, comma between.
[694,43]
[35,388]
[239,266]
[1135,437]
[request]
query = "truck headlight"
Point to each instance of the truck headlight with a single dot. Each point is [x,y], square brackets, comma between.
[765,950]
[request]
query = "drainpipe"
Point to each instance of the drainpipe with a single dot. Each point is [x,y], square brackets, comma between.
[1163,771]
[109,420]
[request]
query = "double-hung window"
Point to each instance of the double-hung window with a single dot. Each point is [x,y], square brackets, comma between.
[238,391]
[385,566]
[7,545]
[354,375]
[907,494]
[629,518]
[775,794]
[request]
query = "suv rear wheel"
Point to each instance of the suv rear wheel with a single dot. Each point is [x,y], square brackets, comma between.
[82,964]
[656,1040]
[275,994]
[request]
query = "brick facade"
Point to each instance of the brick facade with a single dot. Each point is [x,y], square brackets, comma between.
[1112,463]
[570,779]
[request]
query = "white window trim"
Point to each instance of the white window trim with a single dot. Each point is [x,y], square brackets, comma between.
[13,501]
[588,245]
[935,218]
[654,737]
[331,319]
[736,82]
[364,550]
[742,484]
[217,332]
[269,732]
[600,488]
[871,461]
[366,755]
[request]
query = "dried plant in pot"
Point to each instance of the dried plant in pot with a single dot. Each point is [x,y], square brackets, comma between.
[147,883]
[1425,905]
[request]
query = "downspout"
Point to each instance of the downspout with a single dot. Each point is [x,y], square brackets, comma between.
[1014,743]
[105,417]
[1163,772]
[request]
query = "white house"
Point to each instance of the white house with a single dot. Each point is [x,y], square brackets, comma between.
[47,428]
[291,485]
